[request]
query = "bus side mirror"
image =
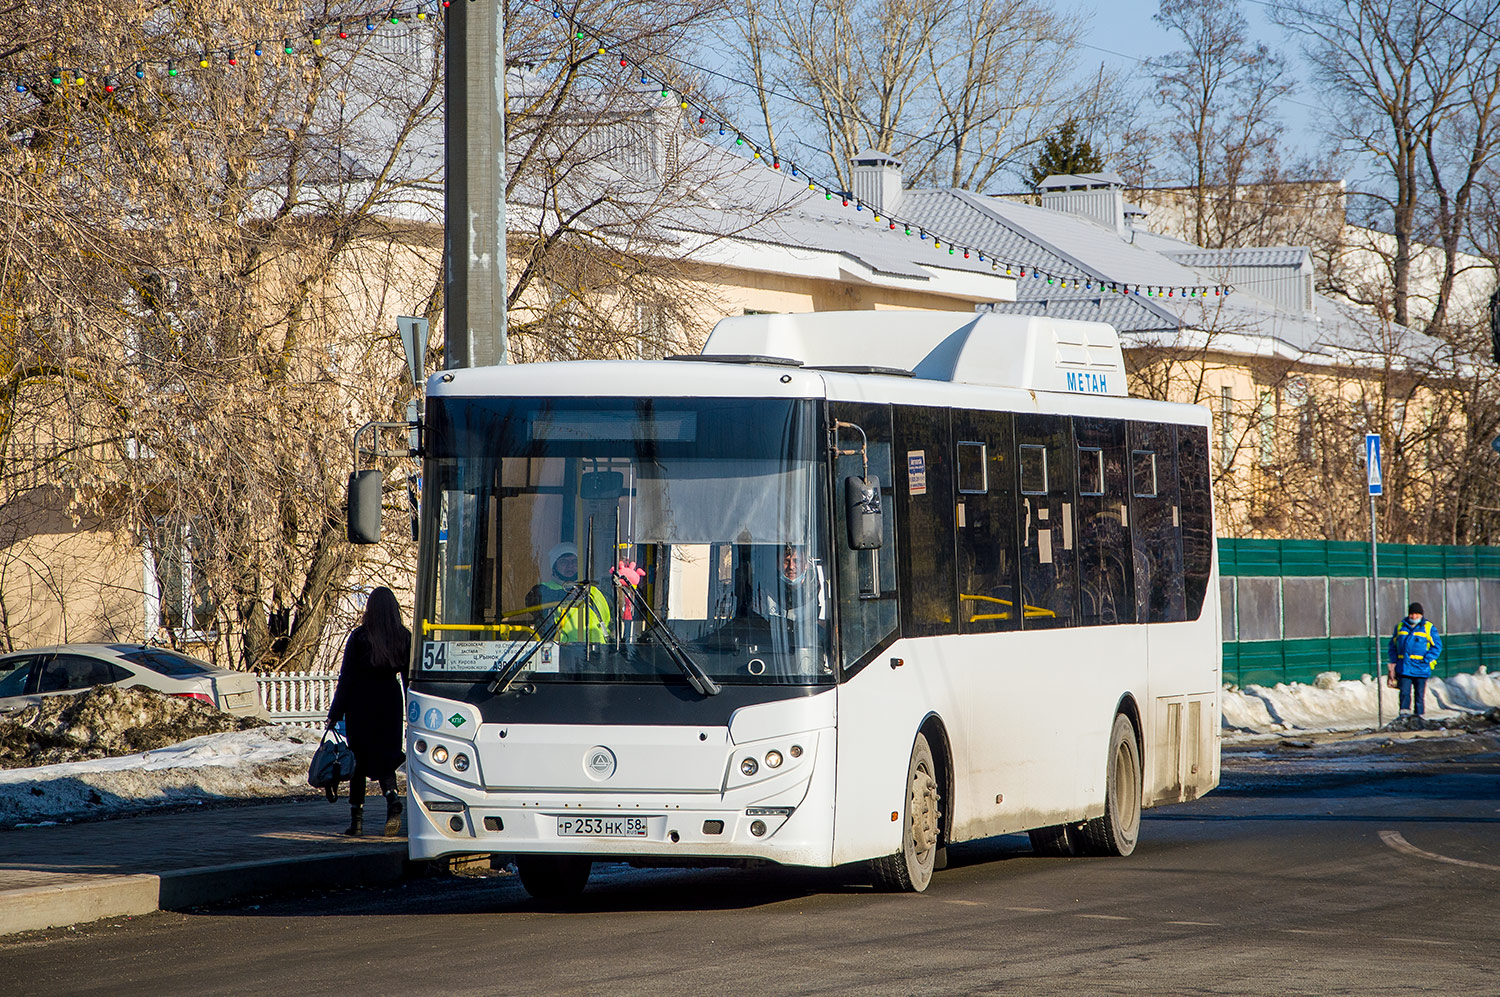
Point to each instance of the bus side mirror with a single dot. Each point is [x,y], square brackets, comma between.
[364,507]
[862,505]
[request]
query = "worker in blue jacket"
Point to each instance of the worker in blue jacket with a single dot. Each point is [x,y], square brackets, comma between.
[1414,650]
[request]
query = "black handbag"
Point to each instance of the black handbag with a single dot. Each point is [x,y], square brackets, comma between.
[331,764]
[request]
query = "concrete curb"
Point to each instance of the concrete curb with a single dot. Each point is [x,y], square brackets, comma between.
[90,899]
[57,905]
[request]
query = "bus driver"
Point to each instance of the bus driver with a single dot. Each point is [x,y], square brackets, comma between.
[548,595]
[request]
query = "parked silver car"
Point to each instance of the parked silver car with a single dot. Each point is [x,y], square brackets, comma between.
[28,676]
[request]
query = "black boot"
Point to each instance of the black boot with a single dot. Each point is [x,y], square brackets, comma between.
[356,822]
[393,810]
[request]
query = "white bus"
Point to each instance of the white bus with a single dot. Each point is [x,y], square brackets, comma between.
[847,587]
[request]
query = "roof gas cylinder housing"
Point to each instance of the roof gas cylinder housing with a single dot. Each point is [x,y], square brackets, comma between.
[1010,351]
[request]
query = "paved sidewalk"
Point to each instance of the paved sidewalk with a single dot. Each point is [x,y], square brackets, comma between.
[71,873]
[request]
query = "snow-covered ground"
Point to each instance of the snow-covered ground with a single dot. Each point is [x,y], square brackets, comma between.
[266,761]
[1335,704]
[272,761]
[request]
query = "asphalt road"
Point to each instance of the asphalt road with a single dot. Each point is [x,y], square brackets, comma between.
[1298,878]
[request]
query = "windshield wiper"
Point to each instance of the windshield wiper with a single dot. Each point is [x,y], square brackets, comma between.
[696,676]
[523,654]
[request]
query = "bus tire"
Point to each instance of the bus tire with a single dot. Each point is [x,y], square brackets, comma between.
[554,878]
[909,870]
[1056,840]
[1118,830]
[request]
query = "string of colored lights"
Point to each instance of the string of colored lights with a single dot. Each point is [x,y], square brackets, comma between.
[228,55]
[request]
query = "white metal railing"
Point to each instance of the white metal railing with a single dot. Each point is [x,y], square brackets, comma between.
[297,697]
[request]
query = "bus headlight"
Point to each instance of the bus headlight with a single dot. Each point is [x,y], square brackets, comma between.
[460,762]
[749,766]
[439,754]
[773,759]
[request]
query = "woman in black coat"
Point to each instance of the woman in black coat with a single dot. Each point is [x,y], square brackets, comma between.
[369,699]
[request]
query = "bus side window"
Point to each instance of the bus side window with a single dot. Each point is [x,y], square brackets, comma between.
[1156,519]
[1106,566]
[924,495]
[986,522]
[1048,555]
[1197,515]
[866,579]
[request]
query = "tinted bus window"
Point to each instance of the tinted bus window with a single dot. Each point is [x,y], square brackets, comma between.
[1197,514]
[986,524]
[924,496]
[1156,523]
[1106,569]
[866,578]
[1044,447]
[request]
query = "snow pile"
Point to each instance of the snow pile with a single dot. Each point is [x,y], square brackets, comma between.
[106,721]
[1334,704]
[267,761]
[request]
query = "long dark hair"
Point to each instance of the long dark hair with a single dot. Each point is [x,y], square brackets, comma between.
[390,641]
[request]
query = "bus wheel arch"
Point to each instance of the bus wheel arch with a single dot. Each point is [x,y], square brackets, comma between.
[936,733]
[909,869]
[1117,831]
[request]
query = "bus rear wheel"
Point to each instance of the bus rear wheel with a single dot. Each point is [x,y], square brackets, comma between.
[1056,840]
[554,878]
[910,869]
[1118,830]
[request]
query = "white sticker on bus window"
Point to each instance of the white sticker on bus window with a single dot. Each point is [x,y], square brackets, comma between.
[1044,546]
[1174,517]
[1124,515]
[1067,525]
[1041,513]
[961,523]
[916,472]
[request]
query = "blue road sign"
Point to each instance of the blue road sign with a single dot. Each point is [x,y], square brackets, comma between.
[1372,461]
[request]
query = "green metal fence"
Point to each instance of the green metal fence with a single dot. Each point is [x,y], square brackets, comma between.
[1294,608]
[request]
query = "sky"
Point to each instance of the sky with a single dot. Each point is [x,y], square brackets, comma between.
[1122,30]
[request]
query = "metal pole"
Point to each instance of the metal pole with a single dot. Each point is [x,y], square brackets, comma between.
[1375,621]
[474,285]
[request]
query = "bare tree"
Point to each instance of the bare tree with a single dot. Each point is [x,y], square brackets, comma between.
[1415,87]
[1221,93]
[958,89]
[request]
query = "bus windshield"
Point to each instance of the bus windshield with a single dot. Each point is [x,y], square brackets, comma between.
[539,512]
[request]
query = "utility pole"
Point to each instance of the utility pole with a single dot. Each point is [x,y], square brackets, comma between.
[474,286]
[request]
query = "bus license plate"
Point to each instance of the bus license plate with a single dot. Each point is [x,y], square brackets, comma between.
[603,827]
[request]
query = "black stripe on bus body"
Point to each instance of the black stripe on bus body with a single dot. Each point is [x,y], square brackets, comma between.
[668,703]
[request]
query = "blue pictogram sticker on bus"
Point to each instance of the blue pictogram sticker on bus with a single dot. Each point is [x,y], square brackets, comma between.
[1094,384]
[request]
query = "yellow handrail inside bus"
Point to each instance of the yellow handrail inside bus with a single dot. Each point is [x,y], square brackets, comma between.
[491,628]
[1027,612]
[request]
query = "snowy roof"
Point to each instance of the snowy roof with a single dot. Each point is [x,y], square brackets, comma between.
[1253,256]
[1067,245]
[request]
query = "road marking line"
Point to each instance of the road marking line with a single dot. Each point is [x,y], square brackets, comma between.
[1198,924]
[1304,931]
[1103,917]
[1032,910]
[966,903]
[1400,844]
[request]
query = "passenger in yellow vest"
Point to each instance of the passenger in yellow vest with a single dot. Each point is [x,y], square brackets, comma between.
[1414,649]
[562,562]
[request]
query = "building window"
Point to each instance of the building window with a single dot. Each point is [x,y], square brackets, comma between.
[178,596]
[1265,419]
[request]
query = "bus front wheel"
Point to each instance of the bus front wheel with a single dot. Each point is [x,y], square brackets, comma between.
[909,870]
[1118,830]
[554,878]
